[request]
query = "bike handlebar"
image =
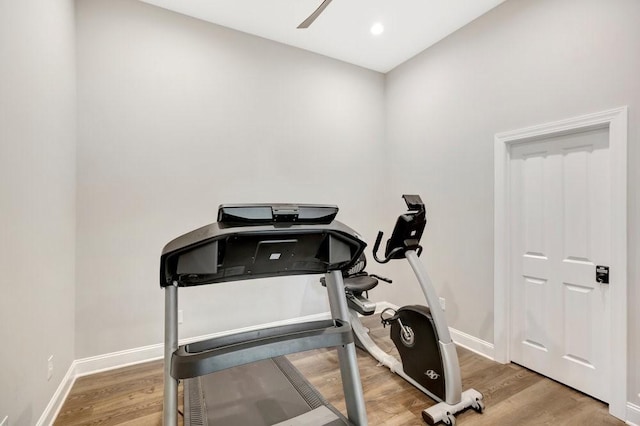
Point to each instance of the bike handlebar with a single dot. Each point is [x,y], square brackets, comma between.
[388,257]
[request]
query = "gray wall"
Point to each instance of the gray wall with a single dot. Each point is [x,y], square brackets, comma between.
[177,116]
[526,62]
[37,202]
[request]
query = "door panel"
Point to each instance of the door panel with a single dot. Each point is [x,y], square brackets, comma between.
[560,221]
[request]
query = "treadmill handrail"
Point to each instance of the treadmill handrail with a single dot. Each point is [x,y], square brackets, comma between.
[261,333]
[225,352]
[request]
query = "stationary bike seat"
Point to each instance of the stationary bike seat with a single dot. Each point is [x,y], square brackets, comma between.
[360,283]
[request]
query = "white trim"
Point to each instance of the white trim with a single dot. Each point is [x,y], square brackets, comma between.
[473,344]
[55,404]
[113,360]
[616,121]
[501,293]
[633,414]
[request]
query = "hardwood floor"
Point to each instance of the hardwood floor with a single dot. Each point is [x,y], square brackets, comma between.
[513,395]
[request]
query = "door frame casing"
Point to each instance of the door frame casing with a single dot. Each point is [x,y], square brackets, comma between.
[615,120]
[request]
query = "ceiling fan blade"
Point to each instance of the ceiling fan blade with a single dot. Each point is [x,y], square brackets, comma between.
[315,14]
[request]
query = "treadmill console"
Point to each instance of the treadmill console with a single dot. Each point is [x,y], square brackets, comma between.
[259,241]
[253,214]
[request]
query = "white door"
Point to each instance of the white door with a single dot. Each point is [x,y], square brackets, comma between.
[560,232]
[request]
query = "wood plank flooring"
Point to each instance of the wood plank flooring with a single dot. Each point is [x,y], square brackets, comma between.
[513,395]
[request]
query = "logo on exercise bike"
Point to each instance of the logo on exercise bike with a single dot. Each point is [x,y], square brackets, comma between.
[432,375]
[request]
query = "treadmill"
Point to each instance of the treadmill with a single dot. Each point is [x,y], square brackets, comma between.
[244,378]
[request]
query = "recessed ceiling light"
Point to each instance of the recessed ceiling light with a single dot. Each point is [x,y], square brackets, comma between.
[377,28]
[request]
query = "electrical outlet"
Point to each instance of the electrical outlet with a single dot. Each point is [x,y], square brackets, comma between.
[5,421]
[50,368]
[180,317]
[443,303]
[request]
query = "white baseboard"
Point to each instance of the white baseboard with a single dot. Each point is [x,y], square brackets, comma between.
[633,414]
[55,404]
[110,361]
[472,343]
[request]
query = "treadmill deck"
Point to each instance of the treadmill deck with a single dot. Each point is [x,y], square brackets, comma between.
[264,393]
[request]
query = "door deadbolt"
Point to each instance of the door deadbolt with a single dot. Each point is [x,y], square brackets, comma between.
[602,274]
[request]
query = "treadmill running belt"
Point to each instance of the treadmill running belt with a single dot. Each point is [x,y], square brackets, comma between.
[263,393]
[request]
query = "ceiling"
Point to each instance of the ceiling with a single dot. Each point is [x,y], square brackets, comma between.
[342,31]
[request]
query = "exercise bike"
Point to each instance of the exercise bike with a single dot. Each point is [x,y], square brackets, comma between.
[428,355]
